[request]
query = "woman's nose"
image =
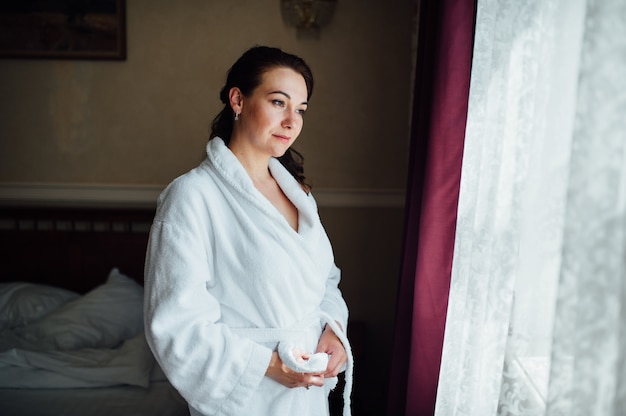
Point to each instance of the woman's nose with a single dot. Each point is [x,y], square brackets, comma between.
[289,121]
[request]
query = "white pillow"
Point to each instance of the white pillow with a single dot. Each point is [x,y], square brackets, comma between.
[102,318]
[22,302]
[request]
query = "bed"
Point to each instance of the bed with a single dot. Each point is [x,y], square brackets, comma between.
[71,324]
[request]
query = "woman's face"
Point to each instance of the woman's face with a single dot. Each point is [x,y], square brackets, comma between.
[272,116]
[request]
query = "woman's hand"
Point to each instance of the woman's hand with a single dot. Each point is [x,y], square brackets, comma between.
[331,344]
[282,374]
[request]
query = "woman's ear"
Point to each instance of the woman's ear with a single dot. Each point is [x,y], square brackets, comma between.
[235,98]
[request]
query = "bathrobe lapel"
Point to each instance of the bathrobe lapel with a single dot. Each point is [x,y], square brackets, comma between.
[296,262]
[307,241]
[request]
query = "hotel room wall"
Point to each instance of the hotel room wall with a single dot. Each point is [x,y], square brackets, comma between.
[367,249]
[145,120]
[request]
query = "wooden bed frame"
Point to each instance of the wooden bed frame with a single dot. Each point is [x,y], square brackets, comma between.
[74,248]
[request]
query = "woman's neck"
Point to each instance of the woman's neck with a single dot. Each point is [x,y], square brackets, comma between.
[256,165]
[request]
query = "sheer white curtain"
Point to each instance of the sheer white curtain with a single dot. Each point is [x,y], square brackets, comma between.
[537,312]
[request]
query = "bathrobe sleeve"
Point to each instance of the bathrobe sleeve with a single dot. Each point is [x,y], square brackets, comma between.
[215,370]
[333,303]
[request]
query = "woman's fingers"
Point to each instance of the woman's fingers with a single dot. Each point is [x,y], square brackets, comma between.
[335,364]
[332,345]
[314,380]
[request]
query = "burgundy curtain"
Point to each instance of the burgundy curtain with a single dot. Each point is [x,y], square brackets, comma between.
[445,39]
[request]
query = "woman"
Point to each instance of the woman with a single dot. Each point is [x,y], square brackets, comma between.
[240,278]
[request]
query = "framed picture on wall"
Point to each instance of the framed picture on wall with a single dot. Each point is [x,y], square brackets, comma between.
[63,29]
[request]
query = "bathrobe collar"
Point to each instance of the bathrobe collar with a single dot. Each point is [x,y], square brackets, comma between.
[226,164]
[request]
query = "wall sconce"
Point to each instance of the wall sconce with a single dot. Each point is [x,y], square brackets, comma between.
[308,16]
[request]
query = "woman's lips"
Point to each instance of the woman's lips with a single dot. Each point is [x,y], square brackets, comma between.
[283,138]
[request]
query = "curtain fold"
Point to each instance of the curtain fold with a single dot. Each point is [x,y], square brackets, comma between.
[536,317]
[588,366]
[445,34]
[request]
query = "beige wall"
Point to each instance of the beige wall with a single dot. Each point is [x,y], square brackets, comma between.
[145,120]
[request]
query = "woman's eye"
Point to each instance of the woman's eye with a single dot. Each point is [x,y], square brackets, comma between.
[301,111]
[279,103]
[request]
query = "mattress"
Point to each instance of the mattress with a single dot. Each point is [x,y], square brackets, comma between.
[159,399]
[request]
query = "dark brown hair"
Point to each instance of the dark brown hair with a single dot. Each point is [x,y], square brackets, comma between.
[246,74]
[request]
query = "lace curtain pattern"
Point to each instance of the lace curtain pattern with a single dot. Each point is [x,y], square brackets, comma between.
[536,321]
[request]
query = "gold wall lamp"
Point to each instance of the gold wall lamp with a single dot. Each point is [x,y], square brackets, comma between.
[307,16]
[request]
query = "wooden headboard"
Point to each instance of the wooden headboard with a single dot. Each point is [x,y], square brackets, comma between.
[74,248]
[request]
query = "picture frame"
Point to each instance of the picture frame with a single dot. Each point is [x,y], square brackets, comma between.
[63,29]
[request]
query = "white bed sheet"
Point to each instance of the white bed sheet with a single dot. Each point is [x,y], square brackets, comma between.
[79,355]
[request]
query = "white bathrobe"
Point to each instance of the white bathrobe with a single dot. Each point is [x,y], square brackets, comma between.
[226,278]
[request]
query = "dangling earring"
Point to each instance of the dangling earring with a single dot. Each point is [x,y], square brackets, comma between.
[236,116]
